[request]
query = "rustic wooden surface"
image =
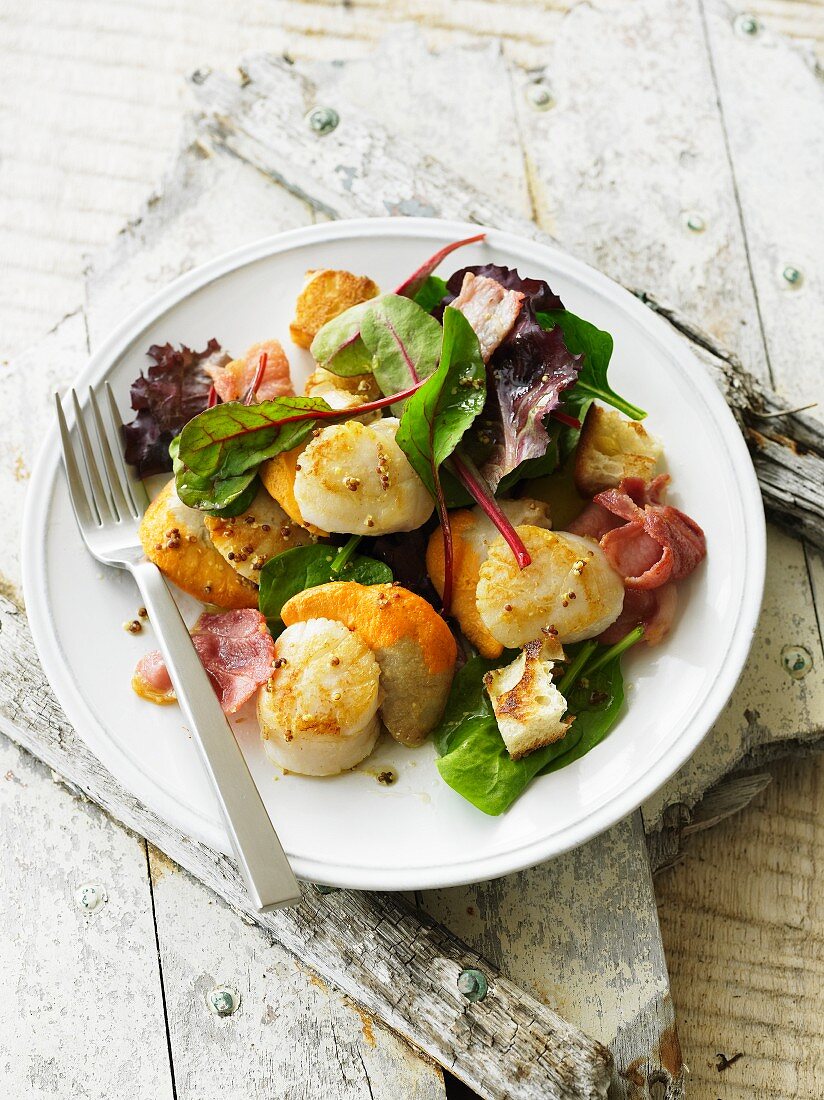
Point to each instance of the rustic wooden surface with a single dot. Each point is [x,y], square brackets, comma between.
[796,624]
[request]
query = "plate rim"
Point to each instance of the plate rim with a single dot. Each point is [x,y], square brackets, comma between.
[199,828]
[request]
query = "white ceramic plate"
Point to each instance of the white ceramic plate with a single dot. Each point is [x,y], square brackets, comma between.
[351,831]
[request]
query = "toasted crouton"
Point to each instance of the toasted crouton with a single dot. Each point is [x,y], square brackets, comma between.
[611,448]
[325,294]
[528,706]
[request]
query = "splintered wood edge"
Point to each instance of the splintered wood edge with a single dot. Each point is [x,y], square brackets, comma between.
[401,965]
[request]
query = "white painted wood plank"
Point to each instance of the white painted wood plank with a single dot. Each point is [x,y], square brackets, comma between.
[82,1009]
[291,1035]
[582,934]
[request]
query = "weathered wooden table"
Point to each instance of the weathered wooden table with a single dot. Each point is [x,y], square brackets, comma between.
[664,202]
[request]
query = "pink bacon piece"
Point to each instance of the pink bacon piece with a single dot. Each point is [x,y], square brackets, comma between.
[236,650]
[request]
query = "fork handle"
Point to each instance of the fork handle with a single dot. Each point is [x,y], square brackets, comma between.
[262,861]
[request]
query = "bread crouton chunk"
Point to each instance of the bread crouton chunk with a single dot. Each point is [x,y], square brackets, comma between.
[325,294]
[528,707]
[611,448]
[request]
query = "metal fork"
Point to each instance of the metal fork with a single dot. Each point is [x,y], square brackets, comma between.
[108,515]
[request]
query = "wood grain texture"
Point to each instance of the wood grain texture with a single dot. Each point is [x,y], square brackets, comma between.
[53,847]
[91,136]
[290,1028]
[743,923]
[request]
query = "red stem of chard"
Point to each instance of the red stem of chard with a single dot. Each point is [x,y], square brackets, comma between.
[211,401]
[448,551]
[563,418]
[256,381]
[410,287]
[476,486]
[370,406]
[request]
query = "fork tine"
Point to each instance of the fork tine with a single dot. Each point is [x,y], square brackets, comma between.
[77,492]
[101,501]
[136,488]
[113,478]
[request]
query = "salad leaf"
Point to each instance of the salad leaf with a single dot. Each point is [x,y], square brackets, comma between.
[595,700]
[527,374]
[410,287]
[173,390]
[338,347]
[231,439]
[403,339]
[305,567]
[432,292]
[437,415]
[473,757]
[595,345]
[218,496]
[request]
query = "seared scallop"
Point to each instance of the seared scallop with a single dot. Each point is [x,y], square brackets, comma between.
[175,538]
[569,590]
[249,540]
[472,535]
[318,713]
[354,478]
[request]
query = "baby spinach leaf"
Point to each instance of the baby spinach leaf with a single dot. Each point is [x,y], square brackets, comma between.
[438,414]
[473,757]
[217,496]
[583,338]
[231,439]
[431,293]
[305,567]
[595,700]
[338,346]
[474,760]
[403,339]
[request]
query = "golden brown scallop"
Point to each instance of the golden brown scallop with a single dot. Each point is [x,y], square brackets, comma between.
[262,532]
[175,538]
[412,644]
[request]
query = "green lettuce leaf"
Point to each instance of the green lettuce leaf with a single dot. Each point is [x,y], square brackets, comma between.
[583,338]
[217,496]
[305,567]
[338,347]
[473,757]
[404,342]
[431,293]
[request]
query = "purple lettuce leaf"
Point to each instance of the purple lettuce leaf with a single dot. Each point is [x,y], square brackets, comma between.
[529,374]
[525,376]
[174,389]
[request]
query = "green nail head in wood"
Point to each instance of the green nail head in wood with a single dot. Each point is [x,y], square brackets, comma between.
[473,985]
[323,120]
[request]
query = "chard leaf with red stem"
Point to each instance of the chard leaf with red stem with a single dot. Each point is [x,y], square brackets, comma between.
[339,347]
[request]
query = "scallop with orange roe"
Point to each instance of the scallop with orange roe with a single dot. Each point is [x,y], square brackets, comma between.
[569,589]
[472,535]
[175,538]
[278,477]
[412,644]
